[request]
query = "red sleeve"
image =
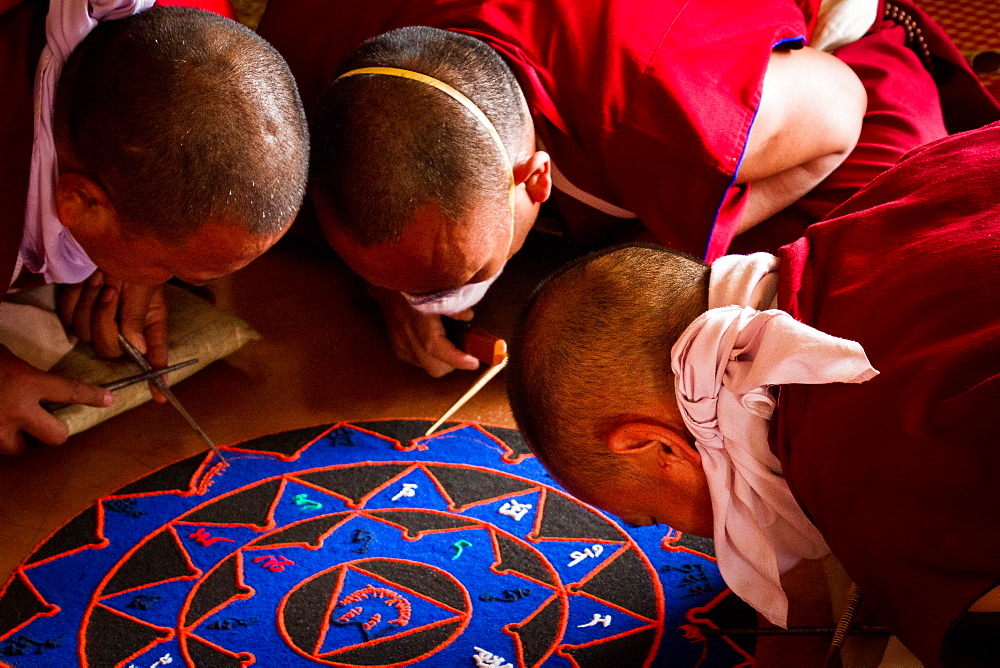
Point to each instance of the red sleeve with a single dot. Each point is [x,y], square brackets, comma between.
[899,473]
[220,7]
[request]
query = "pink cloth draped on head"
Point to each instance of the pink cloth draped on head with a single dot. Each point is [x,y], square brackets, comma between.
[48,247]
[724,365]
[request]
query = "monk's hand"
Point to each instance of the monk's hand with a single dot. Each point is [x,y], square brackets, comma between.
[101,307]
[419,338]
[23,388]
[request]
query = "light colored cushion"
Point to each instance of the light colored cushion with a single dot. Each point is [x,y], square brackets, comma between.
[195,329]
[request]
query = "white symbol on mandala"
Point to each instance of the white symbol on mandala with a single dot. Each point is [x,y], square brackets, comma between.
[409,489]
[486,659]
[605,620]
[514,509]
[162,661]
[576,556]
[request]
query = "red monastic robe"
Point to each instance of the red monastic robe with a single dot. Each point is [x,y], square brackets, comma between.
[901,473]
[645,105]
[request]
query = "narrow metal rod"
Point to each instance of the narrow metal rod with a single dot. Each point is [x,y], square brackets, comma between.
[861,630]
[116,385]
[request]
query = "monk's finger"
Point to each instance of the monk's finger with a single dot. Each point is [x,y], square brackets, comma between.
[65,391]
[104,324]
[85,305]
[11,442]
[69,295]
[45,427]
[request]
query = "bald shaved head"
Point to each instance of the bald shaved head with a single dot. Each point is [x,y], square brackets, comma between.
[385,146]
[182,115]
[593,344]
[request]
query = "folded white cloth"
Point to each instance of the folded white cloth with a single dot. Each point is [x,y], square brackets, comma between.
[48,248]
[724,365]
[841,22]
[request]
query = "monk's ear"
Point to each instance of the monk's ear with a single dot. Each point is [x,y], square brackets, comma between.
[664,444]
[82,204]
[535,172]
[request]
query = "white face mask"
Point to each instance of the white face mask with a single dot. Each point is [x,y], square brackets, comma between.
[450,302]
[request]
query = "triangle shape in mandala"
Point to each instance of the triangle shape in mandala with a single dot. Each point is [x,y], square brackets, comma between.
[470,486]
[250,506]
[617,583]
[352,482]
[563,517]
[590,620]
[180,477]
[112,638]
[629,649]
[20,603]
[369,609]
[85,531]
[535,638]
[287,445]
[217,589]
[160,558]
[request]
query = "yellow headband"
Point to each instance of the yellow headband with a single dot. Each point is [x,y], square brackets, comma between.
[465,102]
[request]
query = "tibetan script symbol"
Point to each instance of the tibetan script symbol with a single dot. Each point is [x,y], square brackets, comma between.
[486,659]
[363,537]
[143,602]
[231,622]
[514,509]
[273,563]
[409,489]
[26,645]
[507,595]
[202,537]
[458,546]
[305,503]
[576,556]
[124,506]
[605,620]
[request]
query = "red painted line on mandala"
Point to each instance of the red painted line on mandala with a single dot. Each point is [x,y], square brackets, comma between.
[280,457]
[481,502]
[667,545]
[511,457]
[498,559]
[614,606]
[320,540]
[240,585]
[463,617]
[649,659]
[476,524]
[395,443]
[705,609]
[102,543]
[197,572]
[270,522]
[403,634]
[81,650]
[331,604]
[354,565]
[350,503]
[516,637]
[543,497]
[654,579]
[245,658]
[53,609]
[193,483]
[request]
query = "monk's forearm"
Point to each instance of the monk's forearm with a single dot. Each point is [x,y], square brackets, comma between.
[771,194]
